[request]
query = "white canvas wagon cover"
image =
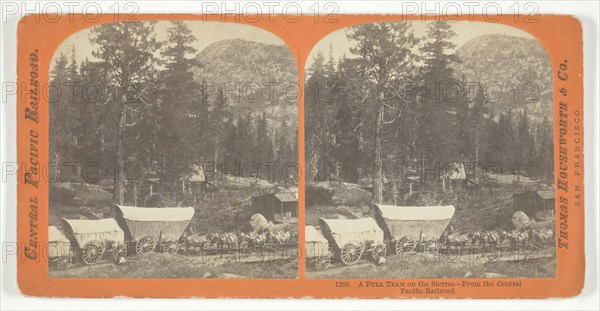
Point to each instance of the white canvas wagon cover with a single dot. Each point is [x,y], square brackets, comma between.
[156,213]
[313,235]
[58,244]
[315,243]
[342,231]
[159,223]
[393,212]
[101,230]
[417,222]
[54,235]
[351,225]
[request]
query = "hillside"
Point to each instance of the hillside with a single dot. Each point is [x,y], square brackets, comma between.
[510,61]
[256,70]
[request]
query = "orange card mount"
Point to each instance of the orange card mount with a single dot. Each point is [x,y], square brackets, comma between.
[376,156]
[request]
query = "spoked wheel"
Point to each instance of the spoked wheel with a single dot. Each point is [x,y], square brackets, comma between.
[378,252]
[322,262]
[119,250]
[430,246]
[405,244]
[145,245]
[63,262]
[170,247]
[351,252]
[92,252]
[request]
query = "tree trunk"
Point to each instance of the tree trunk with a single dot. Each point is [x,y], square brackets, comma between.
[216,154]
[119,180]
[360,153]
[377,195]
[314,170]
[395,190]
[476,176]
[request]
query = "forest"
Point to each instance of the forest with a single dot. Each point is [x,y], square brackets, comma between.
[139,109]
[385,105]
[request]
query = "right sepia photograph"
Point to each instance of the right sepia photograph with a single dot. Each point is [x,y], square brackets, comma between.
[429,153]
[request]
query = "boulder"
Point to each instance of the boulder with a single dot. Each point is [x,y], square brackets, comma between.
[521,220]
[259,222]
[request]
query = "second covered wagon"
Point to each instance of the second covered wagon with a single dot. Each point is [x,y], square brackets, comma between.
[94,237]
[317,248]
[407,227]
[59,248]
[151,227]
[351,238]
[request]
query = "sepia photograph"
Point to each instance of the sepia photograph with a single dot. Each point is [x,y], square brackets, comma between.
[429,153]
[173,151]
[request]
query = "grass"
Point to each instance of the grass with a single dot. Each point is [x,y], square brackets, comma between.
[179,266]
[427,266]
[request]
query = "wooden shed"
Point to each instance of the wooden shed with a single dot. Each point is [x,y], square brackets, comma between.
[538,205]
[277,207]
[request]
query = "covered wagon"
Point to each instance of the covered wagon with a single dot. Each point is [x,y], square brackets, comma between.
[407,227]
[316,248]
[148,227]
[59,248]
[351,238]
[96,237]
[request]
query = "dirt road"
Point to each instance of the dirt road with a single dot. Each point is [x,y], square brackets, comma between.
[156,265]
[540,263]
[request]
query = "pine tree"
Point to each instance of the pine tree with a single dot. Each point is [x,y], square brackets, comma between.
[437,112]
[264,141]
[476,126]
[545,150]
[182,101]
[386,56]
[129,74]
[319,111]
[285,151]
[220,119]
[58,104]
[346,147]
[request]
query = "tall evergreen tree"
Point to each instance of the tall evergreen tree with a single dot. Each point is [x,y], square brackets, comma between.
[319,110]
[385,55]
[220,119]
[438,108]
[59,130]
[129,74]
[182,102]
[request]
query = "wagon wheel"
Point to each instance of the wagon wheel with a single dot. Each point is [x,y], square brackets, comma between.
[431,246]
[119,250]
[145,245]
[63,262]
[378,252]
[92,252]
[351,252]
[405,244]
[171,247]
[322,262]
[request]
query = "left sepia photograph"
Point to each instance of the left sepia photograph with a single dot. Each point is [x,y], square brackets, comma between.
[173,153]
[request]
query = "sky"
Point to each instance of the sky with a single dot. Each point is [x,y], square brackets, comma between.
[464,30]
[206,32]
[210,32]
